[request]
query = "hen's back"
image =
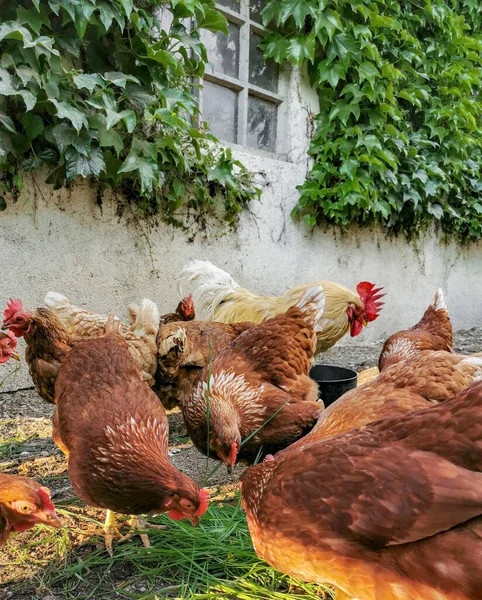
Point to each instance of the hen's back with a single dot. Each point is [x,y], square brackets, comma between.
[111,423]
[99,379]
[432,332]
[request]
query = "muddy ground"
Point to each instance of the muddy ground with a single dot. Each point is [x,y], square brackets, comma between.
[26,448]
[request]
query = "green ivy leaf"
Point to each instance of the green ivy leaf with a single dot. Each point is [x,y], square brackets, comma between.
[7,122]
[213,21]
[349,168]
[300,48]
[111,139]
[275,48]
[108,11]
[67,111]
[87,81]
[14,30]
[128,116]
[33,125]
[342,110]
[436,210]
[145,166]
[342,46]
[34,18]
[120,79]
[66,136]
[332,73]
[369,72]
[127,6]
[330,21]
[85,166]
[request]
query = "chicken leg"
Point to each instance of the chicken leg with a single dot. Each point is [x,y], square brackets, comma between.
[111,530]
[137,525]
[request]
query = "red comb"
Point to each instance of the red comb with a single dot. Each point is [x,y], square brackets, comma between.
[44,494]
[9,334]
[369,296]
[187,305]
[203,502]
[13,306]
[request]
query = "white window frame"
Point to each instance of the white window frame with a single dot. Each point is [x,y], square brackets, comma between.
[244,88]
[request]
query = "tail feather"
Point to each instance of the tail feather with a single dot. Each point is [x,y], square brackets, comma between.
[438,301]
[312,304]
[133,310]
[146,321]
[57,302]
[213,285]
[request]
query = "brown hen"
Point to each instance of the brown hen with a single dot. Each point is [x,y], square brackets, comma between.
[427,378]
[117,450]
[140,336]
[390,512]
[184,349]
[432,332]
[47,344]
[184,312]
[23,504]
[258,388]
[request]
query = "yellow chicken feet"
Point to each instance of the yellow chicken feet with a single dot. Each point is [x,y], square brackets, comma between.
[139,524]
[111,530]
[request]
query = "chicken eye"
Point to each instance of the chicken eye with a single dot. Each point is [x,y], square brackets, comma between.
[8,344]
[25,508]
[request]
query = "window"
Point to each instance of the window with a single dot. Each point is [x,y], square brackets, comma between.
[240,99]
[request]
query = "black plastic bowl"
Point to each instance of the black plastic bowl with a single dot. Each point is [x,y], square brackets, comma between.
[333,382]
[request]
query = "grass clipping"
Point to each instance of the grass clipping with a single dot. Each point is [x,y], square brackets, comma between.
[215,560]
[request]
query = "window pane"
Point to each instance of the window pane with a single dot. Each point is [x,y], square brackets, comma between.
[220,110]
[261,124]
[223,51]
[232,4]
[262,72]
[255,8]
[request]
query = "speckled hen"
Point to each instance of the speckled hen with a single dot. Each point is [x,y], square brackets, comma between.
[432,332]
[115,433]
[258,388]
[391,512]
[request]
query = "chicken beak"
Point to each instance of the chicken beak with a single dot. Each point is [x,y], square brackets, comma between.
[5,326]
[50,518]
[15,356]
[194,520]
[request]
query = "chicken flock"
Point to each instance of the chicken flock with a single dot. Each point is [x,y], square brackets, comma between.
[378,494]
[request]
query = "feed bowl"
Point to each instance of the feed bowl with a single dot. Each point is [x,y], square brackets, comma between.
[333,382]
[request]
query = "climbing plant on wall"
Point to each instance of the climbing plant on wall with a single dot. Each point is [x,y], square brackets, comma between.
[399,132]
[105,89]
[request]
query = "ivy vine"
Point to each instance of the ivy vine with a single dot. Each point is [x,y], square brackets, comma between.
[106,89]
[399,131]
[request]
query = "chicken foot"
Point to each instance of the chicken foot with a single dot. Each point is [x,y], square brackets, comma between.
[137,524]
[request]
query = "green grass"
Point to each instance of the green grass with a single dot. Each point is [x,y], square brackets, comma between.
[214,561]
[14,445]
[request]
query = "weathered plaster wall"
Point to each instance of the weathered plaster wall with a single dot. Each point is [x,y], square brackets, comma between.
[65,241]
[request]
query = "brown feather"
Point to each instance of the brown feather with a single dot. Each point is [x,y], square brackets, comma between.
[392,511]
[118,449]
[254,385]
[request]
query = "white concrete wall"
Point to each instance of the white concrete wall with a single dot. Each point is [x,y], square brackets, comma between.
[64,241]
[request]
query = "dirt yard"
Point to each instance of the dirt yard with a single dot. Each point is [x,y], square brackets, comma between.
[26,448]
